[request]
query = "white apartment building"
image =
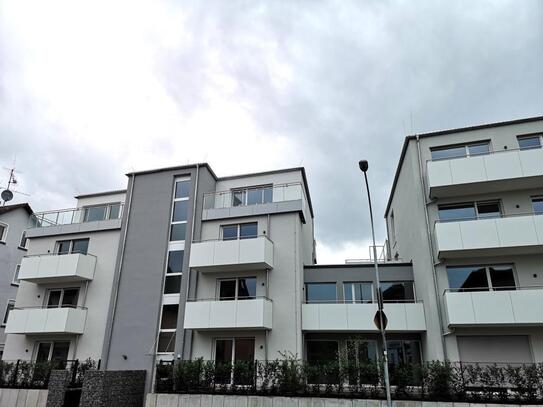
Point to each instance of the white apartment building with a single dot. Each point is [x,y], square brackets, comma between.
[66,279]
[466,208]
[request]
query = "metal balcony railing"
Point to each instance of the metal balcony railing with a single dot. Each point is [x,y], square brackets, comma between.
[77,215]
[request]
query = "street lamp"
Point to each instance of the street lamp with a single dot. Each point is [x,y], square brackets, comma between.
[380,318]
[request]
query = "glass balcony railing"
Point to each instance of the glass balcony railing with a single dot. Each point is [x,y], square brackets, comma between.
[77,215]
[254,196]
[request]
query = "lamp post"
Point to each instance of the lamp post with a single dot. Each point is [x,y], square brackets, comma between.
[380,318]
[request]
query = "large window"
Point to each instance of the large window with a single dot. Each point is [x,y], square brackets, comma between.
[52,351]
[398,291]
[180,210]
[10,305]
[168,326]
[529,142]
[481,278]
[252,195]
[403,352]
[102,212]
[358,292]
[242,288]
[320,292]
[320,351]
[537,205]
[174,272]
[240,231]
[72,246]
[470,211]
[3,232]
[62,298]
[234,350]
[460,150]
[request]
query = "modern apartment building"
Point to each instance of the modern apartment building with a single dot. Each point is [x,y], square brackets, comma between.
[66,278]
[13,245]
[210,267]
[466,208]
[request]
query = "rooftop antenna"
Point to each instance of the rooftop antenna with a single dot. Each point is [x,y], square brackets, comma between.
[7,193]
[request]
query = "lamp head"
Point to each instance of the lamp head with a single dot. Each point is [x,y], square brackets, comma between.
[363,164]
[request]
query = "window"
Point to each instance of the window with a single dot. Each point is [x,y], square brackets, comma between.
[168,326]
[462,150]
[529,142]
[9,307]
[23,244]
[114,211]
[174,272]
[52,351]
[230,350]
[3,232]
[537,205]
[403,352]
[73,246]
[470,211]
[252,196]
[182,189]
[242,288]
[95,213]
[240,231]
[321,351]
[481,278]
[358,292]
[321,292]
[392,228]
[178,230]
[16,275]
[398,291]
[62,298]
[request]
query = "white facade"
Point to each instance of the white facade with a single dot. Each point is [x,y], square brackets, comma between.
[66,282]
[464,209]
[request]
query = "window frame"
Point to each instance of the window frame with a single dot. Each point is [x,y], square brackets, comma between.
[536,198]
[15,281]
[404,301]
[236,296]
[173,274]
[487,275]
[354,301]
[61,299]
[107,212]
[23,237]
[475,205]
[238,231]
[71,246]
[245,194]
[528,136]
[7,310]
[4,235]
[320,283]
[179,222]
[466,147]
[166,330]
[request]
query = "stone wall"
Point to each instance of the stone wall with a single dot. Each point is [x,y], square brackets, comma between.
[118,388]
[206,400]
[58,383]
[23,398]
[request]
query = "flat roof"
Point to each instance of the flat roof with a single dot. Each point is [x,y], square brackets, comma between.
[104,193]
[446,132]
[9,208]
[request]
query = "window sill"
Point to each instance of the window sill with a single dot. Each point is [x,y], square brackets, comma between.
[22,248]
[2,242]
[15,284]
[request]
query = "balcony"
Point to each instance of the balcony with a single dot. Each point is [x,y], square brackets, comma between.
[508,235]
[351,317]
[520,307]
[76,220]
[38,321]
[504,170]
[226,255]
[212,314]
[55,268]
[279,198]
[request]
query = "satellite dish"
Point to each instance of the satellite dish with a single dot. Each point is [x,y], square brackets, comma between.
[7,195]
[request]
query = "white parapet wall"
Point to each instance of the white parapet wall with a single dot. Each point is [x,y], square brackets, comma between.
[207,400]
[23,398]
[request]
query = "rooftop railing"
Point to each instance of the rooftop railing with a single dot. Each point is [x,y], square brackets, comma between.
[493,216]
[247,196]
[491,152]
[77,215]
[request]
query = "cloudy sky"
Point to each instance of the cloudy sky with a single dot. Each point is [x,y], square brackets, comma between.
[91,90]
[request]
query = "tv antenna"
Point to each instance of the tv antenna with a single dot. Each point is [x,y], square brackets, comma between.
[7,193]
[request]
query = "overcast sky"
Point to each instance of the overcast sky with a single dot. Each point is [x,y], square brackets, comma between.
[91,90]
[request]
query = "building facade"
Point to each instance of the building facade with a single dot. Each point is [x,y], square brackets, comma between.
[13,246]
[66,279]
[466,209]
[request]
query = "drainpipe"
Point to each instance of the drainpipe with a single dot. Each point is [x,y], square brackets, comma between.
[107,345]
[429,236]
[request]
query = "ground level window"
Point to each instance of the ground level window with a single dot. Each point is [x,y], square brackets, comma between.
[234,359]
[53,351]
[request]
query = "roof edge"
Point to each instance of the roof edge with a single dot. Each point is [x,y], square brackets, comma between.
[13,207]
[443,132]
[104,193]
[355,265]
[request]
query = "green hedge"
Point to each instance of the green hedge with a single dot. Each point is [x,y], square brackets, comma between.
[441,381]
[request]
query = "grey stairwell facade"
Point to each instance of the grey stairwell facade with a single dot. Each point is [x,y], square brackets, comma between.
[466,208]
